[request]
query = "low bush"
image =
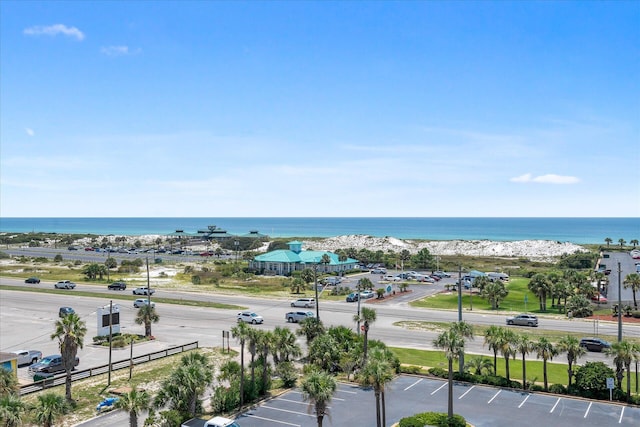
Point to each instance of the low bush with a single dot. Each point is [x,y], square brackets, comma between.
[410,369]
[438,372]
[558,389]
[433,419]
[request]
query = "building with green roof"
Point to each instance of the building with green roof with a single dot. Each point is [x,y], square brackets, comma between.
[285,261]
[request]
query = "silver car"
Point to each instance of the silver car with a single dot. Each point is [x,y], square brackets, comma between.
[65,284]
[250,317]
[523,320]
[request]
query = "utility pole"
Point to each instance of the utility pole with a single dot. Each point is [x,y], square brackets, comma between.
[358,290]
[315,286]
[461,358]
[110,339]
[619,304]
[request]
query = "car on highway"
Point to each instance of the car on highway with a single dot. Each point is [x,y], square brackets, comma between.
[367,294]
[523,320]
[27,357]
[144,291]
[297,316]
[50,364]
[142,301]
[117,286]
[249,317]
[594,344]
[352,297]
[304,302]
[32,280]
[65,311]
[64,284]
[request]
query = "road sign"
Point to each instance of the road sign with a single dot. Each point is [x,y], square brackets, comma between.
[610,383]
[362,328]
[388,288]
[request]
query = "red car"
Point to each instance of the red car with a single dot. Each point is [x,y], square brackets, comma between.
[600,299]
[206,254]
[88,249]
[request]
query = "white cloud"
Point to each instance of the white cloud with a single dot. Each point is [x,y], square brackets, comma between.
[546,179]
[29,131]
[54,30]
[118,51]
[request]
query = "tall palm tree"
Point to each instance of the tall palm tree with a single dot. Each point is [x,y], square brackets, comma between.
[318,389]
[265,340]
[545,350]
[570,345]
[539,285]
[310,328]
[453,345]
[133,402]
[491,338]
[8,382]
[634,242]
[367,316]
[495,292]
[252,346]
[12,409]
[376,373]
[523,346]
[622,242]
[633,281]
[623,352]
[466,331]
[70,332]
[284,345]
[49,407]
[608,241]
[241,333]
[506,343]
[146,316]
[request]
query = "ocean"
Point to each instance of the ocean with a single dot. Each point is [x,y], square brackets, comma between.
[574,230]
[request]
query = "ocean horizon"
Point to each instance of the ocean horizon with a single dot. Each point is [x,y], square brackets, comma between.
[574,230]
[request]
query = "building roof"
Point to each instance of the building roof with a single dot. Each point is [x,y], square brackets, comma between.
[302,257]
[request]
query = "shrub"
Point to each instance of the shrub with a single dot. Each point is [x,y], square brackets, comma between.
[410,369]
[438,372]
[636,314]
[287,373]
[557,389]
[57,258]
[591,380]
[433,419]
[536,387]
[195,280]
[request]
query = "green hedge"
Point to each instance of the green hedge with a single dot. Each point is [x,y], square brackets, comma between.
[433,419]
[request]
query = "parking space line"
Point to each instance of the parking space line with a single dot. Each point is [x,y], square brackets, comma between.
[438,389]
[525,399]
[281,399]
[621,414]
[465,393]
[413,384]
[587,412]
[288,411]
[554,406]
[333,398]
[346,391]
[275,421]
[494,396]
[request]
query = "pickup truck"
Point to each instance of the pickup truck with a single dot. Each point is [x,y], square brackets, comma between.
[27,357]
[143,291]
[50,365]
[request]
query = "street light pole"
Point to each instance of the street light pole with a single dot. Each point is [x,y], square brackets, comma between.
[315,286]
[619,304]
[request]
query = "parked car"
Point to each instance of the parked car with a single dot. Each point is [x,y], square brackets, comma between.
[379,271]
[27,357]
[65,284]
[144,291]
[250,317]
[599,299]
[297,316]
[65,311]
[353,297]
[72,248]
[441,274]
[594,344]
[304,302]
[142,301]
[367,294]
[523,320]
[50,365]
[392,278]
[220,422]
[331,280]
[117,286]
[32,280]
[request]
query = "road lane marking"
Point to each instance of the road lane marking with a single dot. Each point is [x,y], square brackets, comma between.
[438,389]
[275,421]
[333,398]
[494,396]
[281,399]
[525,399]
[465,393]
[587,412]
[346,391]
[288,411]
[413,384]
[554,406]
[621,414]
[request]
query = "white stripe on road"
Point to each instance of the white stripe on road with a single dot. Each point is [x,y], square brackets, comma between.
[621,414]
[587,413]
[438,389]
[288,411]
[292,401]
[413,384]
[346,391]
[333,398]
[554,406]
[275,421]
[525,399]
[494,396]
[465,393]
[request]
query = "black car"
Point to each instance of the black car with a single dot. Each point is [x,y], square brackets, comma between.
[117,286]
[594,344]
[32,280]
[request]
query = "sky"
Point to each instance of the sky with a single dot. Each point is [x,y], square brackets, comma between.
[319,109]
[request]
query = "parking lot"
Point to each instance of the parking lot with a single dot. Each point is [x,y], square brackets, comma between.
[407,395]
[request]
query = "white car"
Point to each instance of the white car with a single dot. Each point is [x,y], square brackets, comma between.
[250,317]
[65,284]
[142,301]
[367,294]
[392,278]
[143,291]
[304,302]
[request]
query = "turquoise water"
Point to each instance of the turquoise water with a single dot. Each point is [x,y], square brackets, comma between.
[576,230]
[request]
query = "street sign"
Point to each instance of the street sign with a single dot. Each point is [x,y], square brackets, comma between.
[388,288]
[610,383]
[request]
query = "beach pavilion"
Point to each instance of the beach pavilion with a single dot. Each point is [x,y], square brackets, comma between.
[285,261]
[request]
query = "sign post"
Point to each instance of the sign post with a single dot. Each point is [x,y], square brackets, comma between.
[610,386]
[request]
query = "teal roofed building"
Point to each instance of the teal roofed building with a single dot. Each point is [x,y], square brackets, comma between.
[285,261]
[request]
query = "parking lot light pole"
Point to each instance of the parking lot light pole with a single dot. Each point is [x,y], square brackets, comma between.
[619,304]
[315,286]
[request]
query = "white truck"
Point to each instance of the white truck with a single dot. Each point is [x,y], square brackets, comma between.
[27,357]
[213,422]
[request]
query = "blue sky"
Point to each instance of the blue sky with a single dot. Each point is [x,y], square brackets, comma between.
[427,109]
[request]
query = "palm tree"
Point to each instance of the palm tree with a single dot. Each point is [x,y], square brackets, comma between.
[506,343]
[284,345]
[133,402]
[539,285]
[70,332]
[608,241]
[318,389]
[310,328]
[634,242]
[623,352]
[494,292]
[8,382]
[479,365]
[146,316]
[367,316]
[491,338]
[241,333]
[633,281]
[523,346]
[545,350]
[622,242]
[49,407]
[453,345]
[265,340]
[376,373]
[571,346]
[466,331]
[12,409]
